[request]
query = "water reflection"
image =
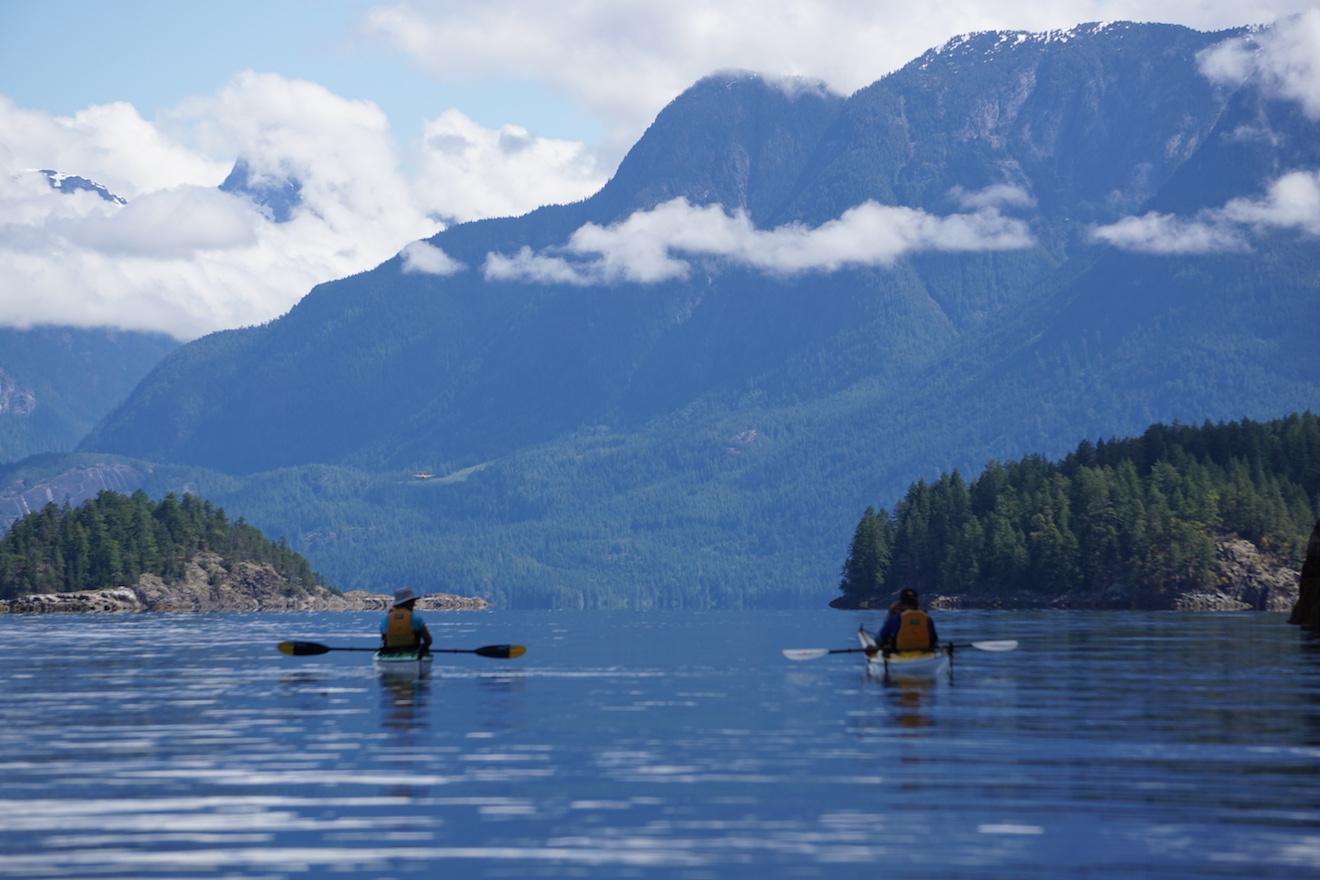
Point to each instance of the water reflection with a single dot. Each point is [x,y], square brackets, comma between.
[909,699]
[404,702]
[501,701]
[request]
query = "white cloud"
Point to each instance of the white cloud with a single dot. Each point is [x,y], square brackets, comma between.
[621,61]
[999,195]
[1283,61]
[1166,234]
[108,143]
[181,256]
[167,223]
[1292,202]
[643,248]
[472,172]
[424,258]
[185,258]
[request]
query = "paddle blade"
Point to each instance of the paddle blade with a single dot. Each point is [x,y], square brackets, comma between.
[502,651]
[302,649]
[805,653]
[1001,645]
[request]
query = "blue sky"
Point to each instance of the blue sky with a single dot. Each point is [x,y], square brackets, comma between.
[64,55]
[401,117]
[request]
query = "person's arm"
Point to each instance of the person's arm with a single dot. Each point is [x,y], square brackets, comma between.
[889,630]
[424,638]
[934,636]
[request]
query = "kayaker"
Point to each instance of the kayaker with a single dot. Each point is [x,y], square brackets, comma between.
[907,628]
[403,628]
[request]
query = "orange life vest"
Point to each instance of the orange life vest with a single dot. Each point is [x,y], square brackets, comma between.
[399,630]
[913,632]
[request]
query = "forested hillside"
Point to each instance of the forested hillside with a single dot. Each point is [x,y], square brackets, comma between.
[56,383]
[113,539]
[1137,517]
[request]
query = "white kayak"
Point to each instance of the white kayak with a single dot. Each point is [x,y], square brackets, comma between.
[902,664]
[408,663]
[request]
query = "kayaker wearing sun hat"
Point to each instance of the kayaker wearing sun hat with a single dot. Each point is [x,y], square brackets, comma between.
[402,628]
[907,628]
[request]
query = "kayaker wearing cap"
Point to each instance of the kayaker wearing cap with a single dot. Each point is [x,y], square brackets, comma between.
[402,628]
[907,628]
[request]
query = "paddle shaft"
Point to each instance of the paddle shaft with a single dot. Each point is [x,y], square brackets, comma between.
[813,653]
[304,649]
[430,651]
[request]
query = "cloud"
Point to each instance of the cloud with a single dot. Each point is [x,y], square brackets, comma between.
[1283,61]
[181,256]
[999,195]
[622,61]
[643,248]
[424,258]
[1168,235]
[110,144]
[471,172]
[185,258]
[1292,202]
[165,224]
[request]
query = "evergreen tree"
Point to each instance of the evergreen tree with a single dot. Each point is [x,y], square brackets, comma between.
[867,565]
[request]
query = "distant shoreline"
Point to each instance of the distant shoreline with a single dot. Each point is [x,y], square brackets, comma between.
[126,600]
[210,583]
[1248,581]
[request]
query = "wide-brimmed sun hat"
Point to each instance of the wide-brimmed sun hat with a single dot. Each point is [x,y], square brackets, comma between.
[404,594]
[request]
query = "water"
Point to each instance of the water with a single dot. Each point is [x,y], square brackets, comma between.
[657,745]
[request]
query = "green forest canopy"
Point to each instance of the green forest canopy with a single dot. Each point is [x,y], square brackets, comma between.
[1139,513]
[112,539]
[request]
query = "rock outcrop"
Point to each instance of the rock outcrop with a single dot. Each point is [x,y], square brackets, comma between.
[1307,610]
[211,584]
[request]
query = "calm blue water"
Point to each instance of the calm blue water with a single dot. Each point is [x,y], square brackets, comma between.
[664,744]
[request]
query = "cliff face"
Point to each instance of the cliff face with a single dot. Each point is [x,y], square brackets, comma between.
[208,584]
[73,485]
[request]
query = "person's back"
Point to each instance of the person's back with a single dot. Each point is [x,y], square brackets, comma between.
[907,628]
[915,631]
[403,629]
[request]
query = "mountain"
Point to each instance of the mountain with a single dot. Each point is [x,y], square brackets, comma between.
[276,197]
[57,382]
[785,306]
[70,183]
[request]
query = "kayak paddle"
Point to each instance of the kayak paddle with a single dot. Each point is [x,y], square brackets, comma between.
[997,645]
[813,653]
[504,652]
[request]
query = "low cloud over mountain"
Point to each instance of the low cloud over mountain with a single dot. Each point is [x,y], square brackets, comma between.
[649,246]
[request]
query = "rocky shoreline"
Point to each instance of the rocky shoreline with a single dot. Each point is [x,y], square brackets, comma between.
[209,584]
[1248,581]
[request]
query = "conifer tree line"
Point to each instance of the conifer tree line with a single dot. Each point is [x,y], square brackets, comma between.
[113,539]
[1137,514]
